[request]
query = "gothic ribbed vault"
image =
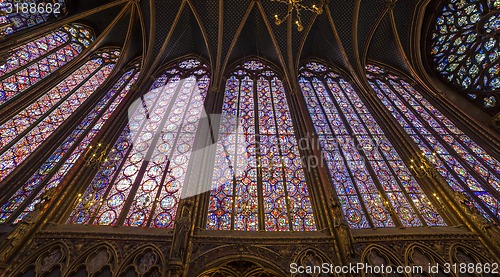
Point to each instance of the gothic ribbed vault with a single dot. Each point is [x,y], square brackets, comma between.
[357,59]
[222,32]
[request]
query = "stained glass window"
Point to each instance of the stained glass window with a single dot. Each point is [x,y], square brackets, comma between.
[60,162]
[33,61]
[258,180]
[466,51]
[142,181]
[465,166]
[25,131]
[369,176]
[16,15]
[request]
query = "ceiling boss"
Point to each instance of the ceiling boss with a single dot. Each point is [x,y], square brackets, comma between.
[298,6]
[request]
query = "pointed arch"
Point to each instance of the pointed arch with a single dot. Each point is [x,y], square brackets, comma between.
[54,256]
[258,181]
[264,41]
[28,64]
[203,30]
[377,255]
[463,253]
[220,256]
[145,261]
[374,186]
[142,181]
[40,121]
[311,256]
[419,254]
[240,268]
[95,259]
[467,168]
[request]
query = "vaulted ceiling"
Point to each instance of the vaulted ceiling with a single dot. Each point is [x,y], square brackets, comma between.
[348,33]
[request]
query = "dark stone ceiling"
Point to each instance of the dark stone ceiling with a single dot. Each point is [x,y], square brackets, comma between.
[346,34]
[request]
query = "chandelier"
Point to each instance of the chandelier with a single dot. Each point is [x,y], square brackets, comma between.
[298,6]
[422,167]
[96,155]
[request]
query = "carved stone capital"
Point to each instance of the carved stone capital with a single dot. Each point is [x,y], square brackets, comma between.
[176,268]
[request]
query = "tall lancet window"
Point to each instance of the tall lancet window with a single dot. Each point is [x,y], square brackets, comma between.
[258,181]
[466,166]
[24,132]
[142,181]
[374,186]
[18,15]
[50,174]
[28,64]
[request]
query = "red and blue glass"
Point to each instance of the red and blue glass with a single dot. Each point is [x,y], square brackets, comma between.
[18,15]
[464,49]
[22,134]
[465,166]
[149,162]
[257,163]
[370,178]
[28,64]
[51,173]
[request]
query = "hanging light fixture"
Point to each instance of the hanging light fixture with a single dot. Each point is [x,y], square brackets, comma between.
[95,156]
[298,6]
[422,167]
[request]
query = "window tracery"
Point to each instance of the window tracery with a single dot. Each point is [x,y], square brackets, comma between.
[16,15]
[374,186]
[148,163]
[26,138]
[465,165]
[258,168]
[28,64]
[465,48]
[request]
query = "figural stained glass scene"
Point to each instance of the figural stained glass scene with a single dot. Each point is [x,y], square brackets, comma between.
[249,138]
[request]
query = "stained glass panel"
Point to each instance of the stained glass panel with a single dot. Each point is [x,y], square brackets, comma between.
[17,15]
[465,48]
[148,164]
[22,134]
[30,63]
[88,129]
[465,166]
[257,163]
[369,176]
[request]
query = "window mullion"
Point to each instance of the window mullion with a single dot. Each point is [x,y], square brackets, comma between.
[113,180]
[258,155]
[49,111]
[145,162]
[281,159]
[170,156]
[458,141]
[127,154]
[448,148]
[444,163]
[386,162]
[354,136]
[75,144]
[36,60]
[235,153]
[348,169]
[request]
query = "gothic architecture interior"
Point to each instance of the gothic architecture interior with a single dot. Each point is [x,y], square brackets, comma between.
[248,137]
